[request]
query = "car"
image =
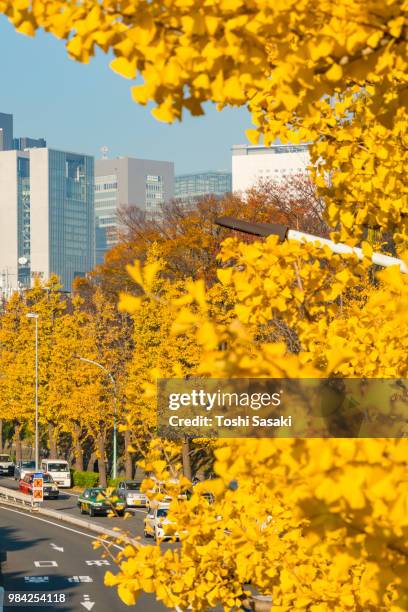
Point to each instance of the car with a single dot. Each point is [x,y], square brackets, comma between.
[207,495]
[6,465]
[163,490]
[129,491]
[59,468]
[96,500]
[156,523]
[50,489]
[22,468]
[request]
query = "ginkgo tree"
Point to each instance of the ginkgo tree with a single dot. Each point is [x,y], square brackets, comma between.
[321,72]
[315,524]
[77,403]
[17,365]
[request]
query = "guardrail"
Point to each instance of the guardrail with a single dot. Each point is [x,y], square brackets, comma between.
[21,500]
[8,496]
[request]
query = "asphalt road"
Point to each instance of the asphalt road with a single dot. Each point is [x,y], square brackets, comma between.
[44,557]
[67,503]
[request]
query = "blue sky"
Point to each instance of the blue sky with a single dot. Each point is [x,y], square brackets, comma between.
[82,107]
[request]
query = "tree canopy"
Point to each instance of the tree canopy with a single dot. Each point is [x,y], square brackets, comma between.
[316,524]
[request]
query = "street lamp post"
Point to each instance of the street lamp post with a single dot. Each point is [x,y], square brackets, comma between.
[268,229]
[114,473]
[33,315]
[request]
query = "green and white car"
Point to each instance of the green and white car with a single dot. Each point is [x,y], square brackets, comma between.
[98,501]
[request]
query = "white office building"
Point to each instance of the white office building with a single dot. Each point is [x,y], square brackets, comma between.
[46,217]
[252,163]
[126,181]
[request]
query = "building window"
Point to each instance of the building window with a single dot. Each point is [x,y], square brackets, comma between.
[74,169]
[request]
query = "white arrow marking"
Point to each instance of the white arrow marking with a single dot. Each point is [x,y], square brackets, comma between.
[80,579]
[87,603]
[98,562]
[55,547]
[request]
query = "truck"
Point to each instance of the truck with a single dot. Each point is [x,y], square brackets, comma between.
[6,465]
[59,470]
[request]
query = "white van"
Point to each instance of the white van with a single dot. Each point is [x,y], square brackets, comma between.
[59,470]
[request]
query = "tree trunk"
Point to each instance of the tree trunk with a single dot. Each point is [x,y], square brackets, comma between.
[91,461]
[101,460]
[52,438]
[128,458]
[17,442]
[1,435]
[79,456]
[186,458]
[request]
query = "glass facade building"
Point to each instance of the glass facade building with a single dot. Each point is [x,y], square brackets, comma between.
[70,214]
[23,221]
[24,142]
[15,230]
[191,187]
[47,221]
[46,217]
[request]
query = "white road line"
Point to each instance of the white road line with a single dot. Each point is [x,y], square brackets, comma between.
[37,518]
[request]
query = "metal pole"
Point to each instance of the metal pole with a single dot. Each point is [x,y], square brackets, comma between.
[34,315]
[37,450]
[114,473]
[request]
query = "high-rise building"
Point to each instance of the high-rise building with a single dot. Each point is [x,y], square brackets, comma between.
[46,216]
[14,220]
[24,142]
[191,187]
[126,181]
[6,132]
[9,143]
[252,163]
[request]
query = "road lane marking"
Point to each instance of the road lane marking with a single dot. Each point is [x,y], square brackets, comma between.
[45,564]
[87,603]
[98,562]
[36,579]
[80,579]
[37,518]
[55,547]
